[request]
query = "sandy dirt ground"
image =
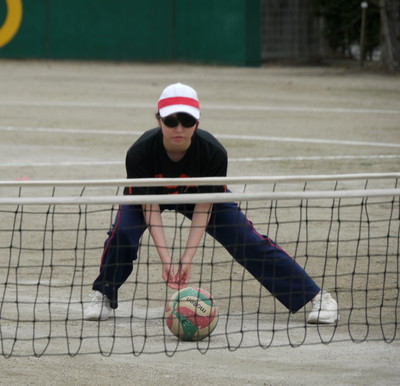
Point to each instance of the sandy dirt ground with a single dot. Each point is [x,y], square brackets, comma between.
[62,121]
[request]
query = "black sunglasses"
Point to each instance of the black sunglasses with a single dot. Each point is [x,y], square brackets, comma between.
[186,120]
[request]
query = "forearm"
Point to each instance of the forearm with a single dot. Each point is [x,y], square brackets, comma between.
[200,219]
[152,215]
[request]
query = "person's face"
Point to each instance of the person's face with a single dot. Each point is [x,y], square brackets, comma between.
[178,130]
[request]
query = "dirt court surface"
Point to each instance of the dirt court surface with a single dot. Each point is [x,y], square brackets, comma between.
[62,120]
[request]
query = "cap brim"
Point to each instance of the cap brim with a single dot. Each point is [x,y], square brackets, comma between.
[165,111]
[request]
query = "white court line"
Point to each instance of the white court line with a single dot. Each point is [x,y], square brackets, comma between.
[120,105]
[224,136]
[243,159]
[315,158]
[308,140]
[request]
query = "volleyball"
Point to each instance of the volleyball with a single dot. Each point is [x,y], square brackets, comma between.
[191,314]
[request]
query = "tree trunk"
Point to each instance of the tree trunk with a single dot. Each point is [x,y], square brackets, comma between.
[390,34]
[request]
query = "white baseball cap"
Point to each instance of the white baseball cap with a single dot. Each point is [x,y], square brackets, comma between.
[179,98]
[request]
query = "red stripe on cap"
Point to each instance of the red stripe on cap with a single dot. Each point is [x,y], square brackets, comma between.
[178,101]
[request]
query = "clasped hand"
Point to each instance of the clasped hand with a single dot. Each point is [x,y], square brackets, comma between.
[177,280]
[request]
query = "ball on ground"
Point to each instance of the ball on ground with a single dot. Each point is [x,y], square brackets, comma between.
[191,314]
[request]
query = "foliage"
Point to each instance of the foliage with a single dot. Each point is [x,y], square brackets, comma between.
[342,24]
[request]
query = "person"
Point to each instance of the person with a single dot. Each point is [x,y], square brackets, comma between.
[179,148]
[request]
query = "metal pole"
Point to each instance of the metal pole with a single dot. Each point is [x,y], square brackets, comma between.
[364,6]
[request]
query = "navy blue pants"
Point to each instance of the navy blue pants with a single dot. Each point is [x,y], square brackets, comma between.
[265,260]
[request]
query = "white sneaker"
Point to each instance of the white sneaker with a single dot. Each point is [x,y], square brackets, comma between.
[324,310]
[99,308]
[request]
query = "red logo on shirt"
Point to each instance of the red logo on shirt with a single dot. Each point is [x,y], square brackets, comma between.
[173,187]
